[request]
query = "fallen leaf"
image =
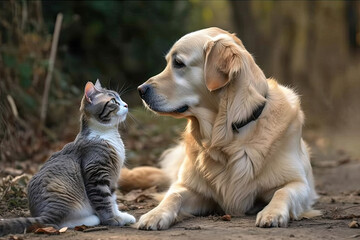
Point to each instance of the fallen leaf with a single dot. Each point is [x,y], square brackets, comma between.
[64,229]
[138,195]
[81,228]
[12,171]
[24,177]
[15,238]
[34,227]
[226,217]
[354,224]
[47,230]
[142,198]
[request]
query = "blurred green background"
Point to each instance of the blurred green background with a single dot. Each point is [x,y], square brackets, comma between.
[313,46]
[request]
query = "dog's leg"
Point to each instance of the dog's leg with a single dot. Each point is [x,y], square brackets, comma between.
[289,201]
[179,201]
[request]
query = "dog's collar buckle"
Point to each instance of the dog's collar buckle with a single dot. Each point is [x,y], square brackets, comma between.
[254,116]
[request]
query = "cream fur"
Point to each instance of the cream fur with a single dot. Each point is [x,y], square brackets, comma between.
[216,167]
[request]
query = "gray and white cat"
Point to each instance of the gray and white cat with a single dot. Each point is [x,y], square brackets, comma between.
[77,184]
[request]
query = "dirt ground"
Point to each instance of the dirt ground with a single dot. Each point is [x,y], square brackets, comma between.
[337,177]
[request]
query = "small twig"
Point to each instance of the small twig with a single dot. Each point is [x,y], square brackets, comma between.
[5,192]
[5,24]
[355,236]
[193,228]
[12,182]
[24,14]
[94,229]
[12,105]
[15,111]
[349,207]
[39,16]
[48,79]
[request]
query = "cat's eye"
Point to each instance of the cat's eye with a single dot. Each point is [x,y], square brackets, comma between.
[114,101]
[177,63]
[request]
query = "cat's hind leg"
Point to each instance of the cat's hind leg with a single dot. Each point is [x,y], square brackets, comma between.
[90,221]
[84,216]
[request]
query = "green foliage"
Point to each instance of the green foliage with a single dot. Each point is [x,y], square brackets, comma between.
[25,73]
[9,60]
[110,40]
[24,53]
[13,191]
[148,136]
[122,41]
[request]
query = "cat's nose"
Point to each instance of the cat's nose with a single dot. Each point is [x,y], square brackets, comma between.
[143,89]
[126,106]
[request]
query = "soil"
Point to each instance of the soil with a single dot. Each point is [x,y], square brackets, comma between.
[337,177]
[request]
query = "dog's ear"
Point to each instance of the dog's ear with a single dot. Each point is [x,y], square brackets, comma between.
[222,62]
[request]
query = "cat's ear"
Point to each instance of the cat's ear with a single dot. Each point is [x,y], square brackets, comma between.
[89,90]
[97,84]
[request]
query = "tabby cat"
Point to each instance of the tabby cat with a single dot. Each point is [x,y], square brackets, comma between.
[77,184]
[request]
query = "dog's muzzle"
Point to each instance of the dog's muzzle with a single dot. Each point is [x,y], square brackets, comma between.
[143,90]
[148,94]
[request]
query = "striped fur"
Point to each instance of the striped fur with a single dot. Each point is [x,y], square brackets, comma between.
[76,185]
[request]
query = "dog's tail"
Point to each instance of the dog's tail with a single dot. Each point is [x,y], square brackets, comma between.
[146,177]
[143,178]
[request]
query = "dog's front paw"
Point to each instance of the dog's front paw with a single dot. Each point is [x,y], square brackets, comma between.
[156,219]
[272,217]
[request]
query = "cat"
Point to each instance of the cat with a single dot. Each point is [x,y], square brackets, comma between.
[77,185]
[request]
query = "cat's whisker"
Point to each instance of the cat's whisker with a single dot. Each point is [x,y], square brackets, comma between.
[126,90]
[141,110]
[117,87]
[121,89]
[124,123]
[109,83]
[132,117]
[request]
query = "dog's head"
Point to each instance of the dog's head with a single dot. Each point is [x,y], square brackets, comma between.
[206,71]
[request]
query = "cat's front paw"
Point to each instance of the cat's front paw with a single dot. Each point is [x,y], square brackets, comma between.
[127,218]
[156,219]
[120,220]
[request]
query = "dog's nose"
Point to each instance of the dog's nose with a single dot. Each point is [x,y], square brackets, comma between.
[143,89]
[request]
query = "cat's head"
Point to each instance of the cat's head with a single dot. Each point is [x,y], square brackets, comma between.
[101,106]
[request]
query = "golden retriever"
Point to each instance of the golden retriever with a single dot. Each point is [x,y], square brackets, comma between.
[242,143]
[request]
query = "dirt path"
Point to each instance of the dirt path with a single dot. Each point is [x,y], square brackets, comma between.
[338,187]
[337,177]
[237,228]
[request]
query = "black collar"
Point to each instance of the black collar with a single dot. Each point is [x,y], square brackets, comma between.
[255,115]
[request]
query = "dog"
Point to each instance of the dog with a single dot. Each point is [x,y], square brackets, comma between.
[243,140]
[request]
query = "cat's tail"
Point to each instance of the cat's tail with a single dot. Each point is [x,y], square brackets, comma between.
[19,225]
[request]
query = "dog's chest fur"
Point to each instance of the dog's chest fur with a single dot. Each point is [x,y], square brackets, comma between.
[256,168]
[228,184]
[235,187]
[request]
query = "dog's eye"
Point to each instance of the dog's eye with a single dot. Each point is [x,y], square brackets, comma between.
[178,63]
